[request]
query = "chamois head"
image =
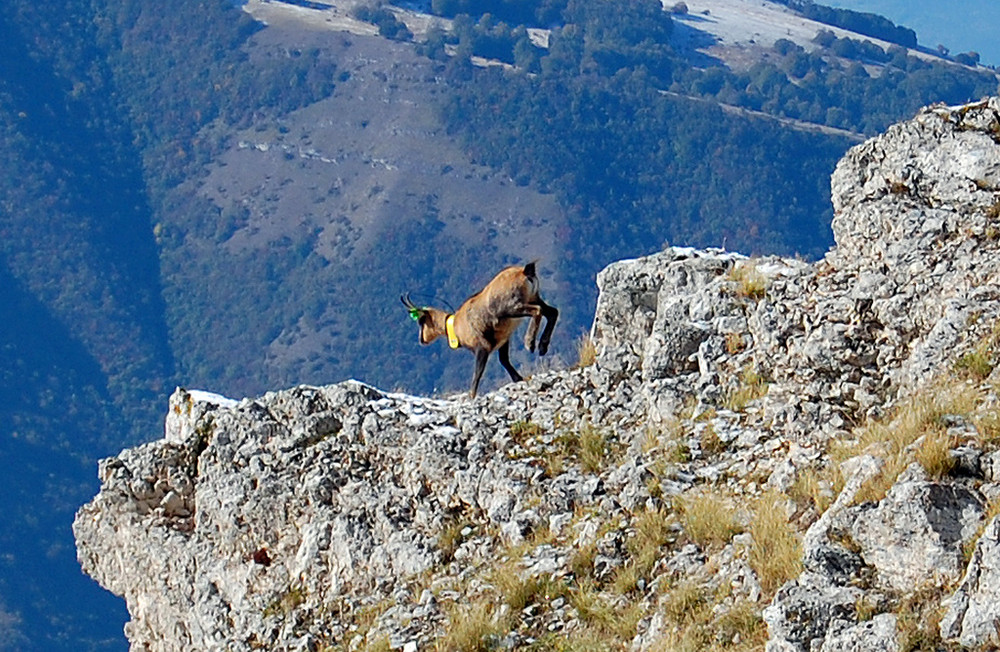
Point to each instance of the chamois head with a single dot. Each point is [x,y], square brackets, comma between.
[431,320]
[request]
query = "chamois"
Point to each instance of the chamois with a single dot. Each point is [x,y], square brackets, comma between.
[485,322]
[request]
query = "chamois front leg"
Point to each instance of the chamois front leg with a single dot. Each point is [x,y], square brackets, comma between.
[504,354]
[482,355]
[535,313]
[551,315]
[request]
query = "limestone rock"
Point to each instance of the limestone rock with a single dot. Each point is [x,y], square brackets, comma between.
[974,609]
[345,516]
[914,536]
[821,553]
[875,635]
[804,610]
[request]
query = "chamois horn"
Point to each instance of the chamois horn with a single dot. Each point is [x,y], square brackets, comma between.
[415,311]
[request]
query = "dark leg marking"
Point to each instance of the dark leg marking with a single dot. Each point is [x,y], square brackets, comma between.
[504,354]
[481,356]
[551,314]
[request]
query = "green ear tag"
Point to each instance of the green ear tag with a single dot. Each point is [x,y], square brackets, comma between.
[414,314]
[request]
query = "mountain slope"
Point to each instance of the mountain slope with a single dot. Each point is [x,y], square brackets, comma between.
[312,194]
[313,203]
[742,32]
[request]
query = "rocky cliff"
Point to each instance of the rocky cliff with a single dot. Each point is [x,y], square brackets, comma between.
[761,452]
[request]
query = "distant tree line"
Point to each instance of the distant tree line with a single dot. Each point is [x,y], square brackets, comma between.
[533,13]
[388,25]
[847,83]
[861,22]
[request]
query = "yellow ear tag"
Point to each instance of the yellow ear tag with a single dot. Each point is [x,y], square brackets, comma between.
[449,327]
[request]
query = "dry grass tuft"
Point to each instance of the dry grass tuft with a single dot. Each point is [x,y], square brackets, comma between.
[586,351]
[710,442]
[735,343]
[695,622]
[865,609]
[683,602]
[651,533]
[742,627]
[592,449]
[918,618]
[750,283]
[988,426]
[608,621]
[582,562]
[752,386]
[471,628]
[979,363]
[583,639]
[776,552]
[379,644]
[668,442]
[287,602]
[708,518]
[521,430]
[450,538]
[920,416]
[589,445]
[934,454]
[518,592]
[815,488]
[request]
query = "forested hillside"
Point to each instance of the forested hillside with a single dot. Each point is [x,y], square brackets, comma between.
[214,203]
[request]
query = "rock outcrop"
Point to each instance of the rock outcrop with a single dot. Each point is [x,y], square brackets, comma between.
[758,441]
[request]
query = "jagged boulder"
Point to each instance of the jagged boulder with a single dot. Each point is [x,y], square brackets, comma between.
[803,611]
[875,635]
[913,210]
[301,498]
[808,610]
[914,536]
[822,553]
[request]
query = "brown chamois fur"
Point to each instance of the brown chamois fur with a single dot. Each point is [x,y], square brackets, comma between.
[485,322]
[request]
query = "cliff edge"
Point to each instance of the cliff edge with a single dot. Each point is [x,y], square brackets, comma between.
[762,452]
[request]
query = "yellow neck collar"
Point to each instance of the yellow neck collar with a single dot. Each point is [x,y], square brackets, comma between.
[449,327]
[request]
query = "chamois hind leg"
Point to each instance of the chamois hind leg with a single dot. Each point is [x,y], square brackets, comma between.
[482,355]
[504,354]
[551,315]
